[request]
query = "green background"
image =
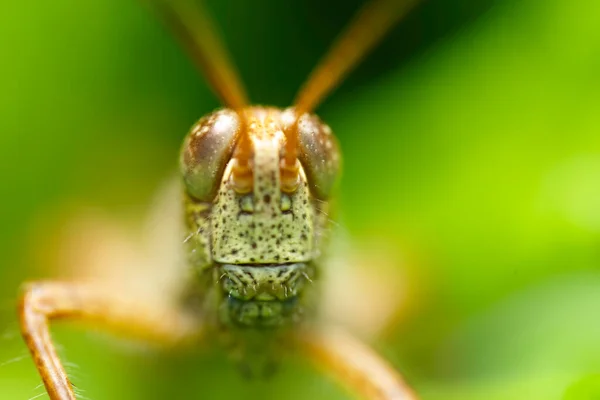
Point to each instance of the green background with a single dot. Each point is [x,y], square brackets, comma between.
[471,138]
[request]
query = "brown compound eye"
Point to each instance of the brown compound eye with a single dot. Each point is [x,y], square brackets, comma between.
[205,153]
[319,154]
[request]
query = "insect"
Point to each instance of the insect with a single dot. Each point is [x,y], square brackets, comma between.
[256,187]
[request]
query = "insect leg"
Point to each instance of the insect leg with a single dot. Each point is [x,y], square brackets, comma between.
[355,365]
[42,302]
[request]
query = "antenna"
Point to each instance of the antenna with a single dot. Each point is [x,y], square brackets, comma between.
[367,28]
[196,31]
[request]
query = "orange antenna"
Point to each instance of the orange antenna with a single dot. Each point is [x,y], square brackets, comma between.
[196,31]
[370,24]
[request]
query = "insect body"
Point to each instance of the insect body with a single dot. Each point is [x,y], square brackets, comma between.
[256,188]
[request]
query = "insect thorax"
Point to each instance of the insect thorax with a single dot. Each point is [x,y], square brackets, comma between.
[256,254]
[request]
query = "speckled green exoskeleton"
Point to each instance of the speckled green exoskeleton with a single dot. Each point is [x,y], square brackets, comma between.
[256,184]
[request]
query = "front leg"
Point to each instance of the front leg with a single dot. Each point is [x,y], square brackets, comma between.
[354,364]
[42,302]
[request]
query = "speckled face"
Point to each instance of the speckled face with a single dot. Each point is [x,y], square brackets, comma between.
[264,226]
[258,240]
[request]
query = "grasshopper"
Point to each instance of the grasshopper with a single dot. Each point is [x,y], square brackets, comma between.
[256,186]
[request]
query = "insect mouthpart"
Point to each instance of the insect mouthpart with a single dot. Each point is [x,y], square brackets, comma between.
[264,282]
[263,295]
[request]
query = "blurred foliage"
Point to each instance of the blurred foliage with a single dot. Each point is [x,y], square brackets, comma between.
[471,141]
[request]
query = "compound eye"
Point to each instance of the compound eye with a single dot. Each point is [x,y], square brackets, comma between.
[319,155]
[206,151]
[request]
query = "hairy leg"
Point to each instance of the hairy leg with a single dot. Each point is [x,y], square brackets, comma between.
[42,302]
[355,365]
